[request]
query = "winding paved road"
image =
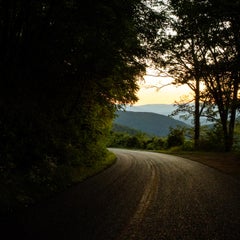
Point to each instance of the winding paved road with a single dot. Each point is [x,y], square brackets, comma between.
[144,196]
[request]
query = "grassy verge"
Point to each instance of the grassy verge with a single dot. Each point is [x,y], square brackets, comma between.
[228,163]
[79,174]
[18,191]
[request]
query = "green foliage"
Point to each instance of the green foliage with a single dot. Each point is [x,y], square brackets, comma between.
[156,143]
[179,139]
[211,138]
[63,67]
[236,145]
[133,142]
[136,141]
[176,137]
[188,145]
[125,140]
[82,172]
[203,47]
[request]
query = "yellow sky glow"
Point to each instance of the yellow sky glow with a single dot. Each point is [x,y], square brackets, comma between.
[165,95]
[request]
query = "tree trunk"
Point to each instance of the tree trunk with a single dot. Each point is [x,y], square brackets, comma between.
[233,110]
[197,115]
[226,139]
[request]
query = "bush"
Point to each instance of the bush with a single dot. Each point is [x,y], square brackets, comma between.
[175,137]
[125,140]
[134,142]
[212,139]
[188,146]
[155,144]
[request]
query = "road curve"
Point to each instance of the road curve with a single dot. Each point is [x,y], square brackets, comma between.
[144,196]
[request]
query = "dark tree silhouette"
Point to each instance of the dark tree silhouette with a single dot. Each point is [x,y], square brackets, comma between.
[64,65]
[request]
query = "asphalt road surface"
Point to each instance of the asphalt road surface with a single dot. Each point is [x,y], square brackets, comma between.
[144,196]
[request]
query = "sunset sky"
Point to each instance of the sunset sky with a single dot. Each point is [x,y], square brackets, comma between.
[165,95]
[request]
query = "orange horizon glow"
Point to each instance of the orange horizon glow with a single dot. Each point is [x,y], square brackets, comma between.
[155,90]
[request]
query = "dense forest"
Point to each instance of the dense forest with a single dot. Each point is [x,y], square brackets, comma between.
[66,66]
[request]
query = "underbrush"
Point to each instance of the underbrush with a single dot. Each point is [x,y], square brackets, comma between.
[81,173]
[20,189]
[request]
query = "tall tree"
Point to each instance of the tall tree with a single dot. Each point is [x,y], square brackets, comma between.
[220,66]
[64,66]
[203,45]
[180,53]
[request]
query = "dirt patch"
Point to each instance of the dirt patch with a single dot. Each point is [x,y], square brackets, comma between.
[228,163]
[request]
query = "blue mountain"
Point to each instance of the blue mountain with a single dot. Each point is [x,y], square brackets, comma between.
[150,123]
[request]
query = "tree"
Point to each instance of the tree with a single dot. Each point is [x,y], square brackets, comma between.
[176,137]
[203,47]
[180,54]
[220,67]
[64,66]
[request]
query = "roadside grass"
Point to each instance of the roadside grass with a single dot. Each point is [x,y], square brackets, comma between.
[228,163]
[17,193]
[79,174]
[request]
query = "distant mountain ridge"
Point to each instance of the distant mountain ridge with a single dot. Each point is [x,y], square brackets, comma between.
[150,123]
[164,109]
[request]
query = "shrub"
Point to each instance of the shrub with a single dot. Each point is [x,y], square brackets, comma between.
[212,139]
[175,137]
[188,146]
[155,143]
